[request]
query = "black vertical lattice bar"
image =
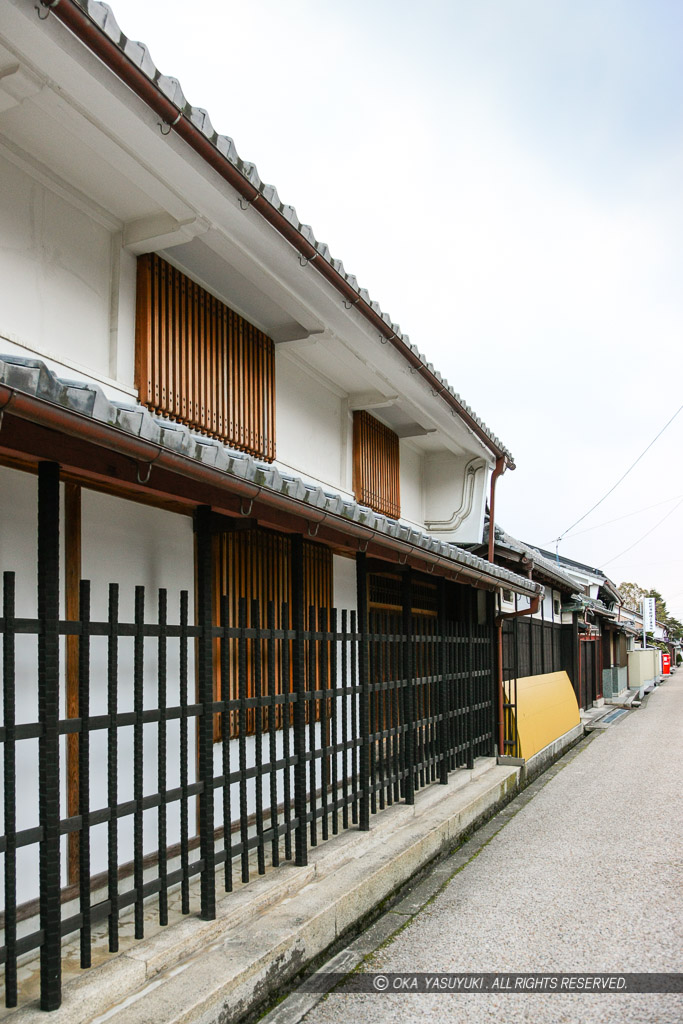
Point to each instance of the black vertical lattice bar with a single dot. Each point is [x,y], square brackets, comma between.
[396,722]
[258,733]
[451,669]
[347,761]
[184,815]
[138,786]
[10,801]
[205,683]
[324,723]
[48,744]
[242,684]
[285,662]
[355,752]
[544,668]
[377,674]
[312,707]
[460,692]
[363,682]
[113,767]
[299,683]
[374,628]
[397,666]
[226,717]
[334,720]
[442,685]
[271,644]
[476,688]
[469,691]
[408,683]
[84,771]
[161,758]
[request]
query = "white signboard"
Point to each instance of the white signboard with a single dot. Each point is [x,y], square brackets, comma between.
[649,614]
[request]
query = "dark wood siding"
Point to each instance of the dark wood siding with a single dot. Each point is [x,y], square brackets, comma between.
[200,363]
[376,465]
[254,566]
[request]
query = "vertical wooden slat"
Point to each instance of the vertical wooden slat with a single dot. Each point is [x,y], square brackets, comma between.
[376,465]
[200,363]
[143,331]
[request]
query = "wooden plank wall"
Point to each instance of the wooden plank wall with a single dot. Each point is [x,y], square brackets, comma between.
[255,565]
[200,363]
[376,465]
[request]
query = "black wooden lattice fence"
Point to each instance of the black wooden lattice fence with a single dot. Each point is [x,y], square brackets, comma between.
[369,716]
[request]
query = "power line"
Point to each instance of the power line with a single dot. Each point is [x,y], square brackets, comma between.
[618,519]
[669,513]
[623,477]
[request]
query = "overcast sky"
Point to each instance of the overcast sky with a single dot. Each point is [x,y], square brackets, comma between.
[504,177]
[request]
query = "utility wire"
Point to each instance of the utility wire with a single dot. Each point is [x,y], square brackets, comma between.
[669,513]
[623,477]
[626,515]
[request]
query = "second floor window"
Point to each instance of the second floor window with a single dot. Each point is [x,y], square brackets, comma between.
[376,465]
[200,363]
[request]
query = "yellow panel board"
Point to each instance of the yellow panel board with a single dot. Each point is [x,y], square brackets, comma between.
[546,709]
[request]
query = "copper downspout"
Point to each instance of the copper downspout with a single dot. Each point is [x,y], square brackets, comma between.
[148,454]
[71,14]
[498,471]
[531,610]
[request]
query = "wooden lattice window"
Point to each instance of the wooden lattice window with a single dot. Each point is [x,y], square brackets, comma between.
[200,363]
[376,465]
[255,565]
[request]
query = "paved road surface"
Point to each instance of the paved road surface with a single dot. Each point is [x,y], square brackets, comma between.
[587,877]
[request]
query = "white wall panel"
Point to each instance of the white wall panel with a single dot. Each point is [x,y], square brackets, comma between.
[55,265]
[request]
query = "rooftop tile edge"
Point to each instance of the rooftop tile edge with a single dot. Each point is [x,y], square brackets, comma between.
[32,377]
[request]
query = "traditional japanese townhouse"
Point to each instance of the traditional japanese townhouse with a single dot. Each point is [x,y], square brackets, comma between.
[245,492]
[603,642]
[539,650]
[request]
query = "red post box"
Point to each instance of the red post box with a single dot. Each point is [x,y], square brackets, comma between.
[666,664]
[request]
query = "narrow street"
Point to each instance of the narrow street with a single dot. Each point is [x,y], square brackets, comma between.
[585,877]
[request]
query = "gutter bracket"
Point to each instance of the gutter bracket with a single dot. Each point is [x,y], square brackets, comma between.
[145,479]
[246,203]
[45,5]
[169,125]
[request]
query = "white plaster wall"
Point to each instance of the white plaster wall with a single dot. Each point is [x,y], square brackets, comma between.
[412,506]
[55,265]
[18,554]
[132,544]
[309,424]
[545,608]
[344,582]
[129,544]
[454,499]
[19,535]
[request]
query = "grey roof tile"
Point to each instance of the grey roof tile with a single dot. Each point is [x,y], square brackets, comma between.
[32,377]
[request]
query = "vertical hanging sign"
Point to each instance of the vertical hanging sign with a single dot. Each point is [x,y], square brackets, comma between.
[649,614]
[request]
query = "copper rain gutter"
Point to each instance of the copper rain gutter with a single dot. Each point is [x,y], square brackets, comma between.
[149,454]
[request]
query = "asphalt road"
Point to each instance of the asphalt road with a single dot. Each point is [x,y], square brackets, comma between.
[586,877]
